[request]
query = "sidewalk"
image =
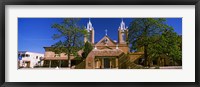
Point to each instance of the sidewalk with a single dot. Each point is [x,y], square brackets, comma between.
[168,67]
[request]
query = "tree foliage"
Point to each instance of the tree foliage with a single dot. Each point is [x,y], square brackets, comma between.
[168,45]
[70,36]
[155,38]
[87,49]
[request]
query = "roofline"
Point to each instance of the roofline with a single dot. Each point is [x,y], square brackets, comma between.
[108,38]
[30,52]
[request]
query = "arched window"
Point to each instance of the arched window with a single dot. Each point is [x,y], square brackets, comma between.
[123,36]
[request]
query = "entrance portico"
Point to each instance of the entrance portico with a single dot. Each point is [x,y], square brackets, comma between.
[106,62]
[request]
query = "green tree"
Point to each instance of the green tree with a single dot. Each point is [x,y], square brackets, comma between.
[70,36]
[87,49]
[168,45]
[173,49]
[143,32]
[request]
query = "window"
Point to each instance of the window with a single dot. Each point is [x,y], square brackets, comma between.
[23,55]
[57,55]
[27,55]
[106,41]
[124,37]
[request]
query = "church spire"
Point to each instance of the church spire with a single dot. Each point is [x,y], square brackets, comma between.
[122,25]
[89,25]
[122,33]
[90,31]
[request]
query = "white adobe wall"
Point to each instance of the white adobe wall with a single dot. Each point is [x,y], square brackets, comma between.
[33,60]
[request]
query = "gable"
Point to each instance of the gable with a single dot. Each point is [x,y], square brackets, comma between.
[106,41]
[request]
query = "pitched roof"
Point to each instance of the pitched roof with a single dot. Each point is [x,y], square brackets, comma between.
[102,42]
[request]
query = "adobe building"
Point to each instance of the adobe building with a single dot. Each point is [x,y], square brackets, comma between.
[28,59]
[51,59]
[106,54]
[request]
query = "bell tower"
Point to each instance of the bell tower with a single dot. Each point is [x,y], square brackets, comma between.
[90,30]
[122,33]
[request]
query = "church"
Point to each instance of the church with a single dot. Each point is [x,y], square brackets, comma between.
[106,53]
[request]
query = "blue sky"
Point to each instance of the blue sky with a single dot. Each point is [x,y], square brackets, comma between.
[36,33]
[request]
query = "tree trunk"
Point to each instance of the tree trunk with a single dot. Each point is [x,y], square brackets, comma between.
[60,63]
[69,61]
[174,62]
[149,62]
[163,61]
[40,63]
[158,64]
[146,45]
[145,56]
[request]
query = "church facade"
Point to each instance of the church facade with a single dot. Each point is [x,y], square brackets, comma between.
[106,52]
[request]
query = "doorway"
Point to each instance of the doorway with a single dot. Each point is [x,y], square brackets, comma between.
[106,63]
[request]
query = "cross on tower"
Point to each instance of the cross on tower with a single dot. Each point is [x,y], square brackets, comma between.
[106,31]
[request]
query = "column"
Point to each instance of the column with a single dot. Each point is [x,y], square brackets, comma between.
[116,62]
[96,63]
[102,64]
[50,64]
[110,63]
[113,63]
